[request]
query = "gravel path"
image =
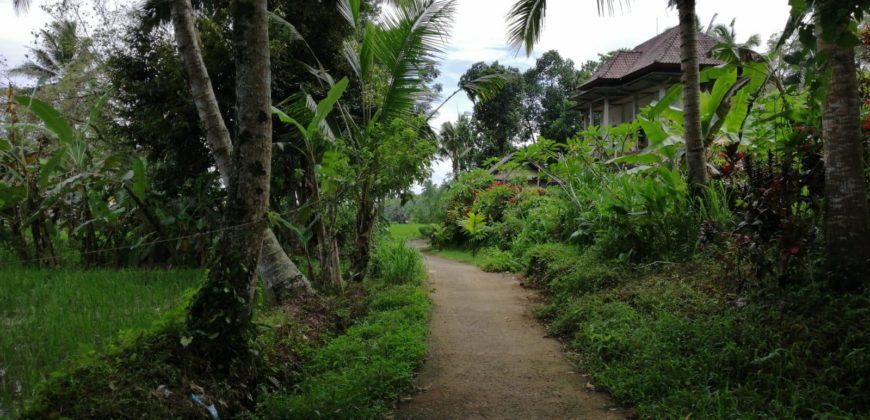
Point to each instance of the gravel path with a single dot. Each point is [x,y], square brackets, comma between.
[489,358]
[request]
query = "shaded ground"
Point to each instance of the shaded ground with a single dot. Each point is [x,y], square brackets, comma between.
[489,358]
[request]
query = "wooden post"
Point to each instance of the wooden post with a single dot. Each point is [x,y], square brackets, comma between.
[591,121]
[606,119]
[634,108]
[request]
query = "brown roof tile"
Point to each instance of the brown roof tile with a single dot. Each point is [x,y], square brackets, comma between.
[661,49]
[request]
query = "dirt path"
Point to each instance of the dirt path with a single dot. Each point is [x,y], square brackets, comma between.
[488,357]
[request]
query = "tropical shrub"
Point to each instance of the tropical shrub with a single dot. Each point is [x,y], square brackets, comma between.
[493,201]
[588,273]
[643,216]
[546,261]
[495,260]
[779,202]
[475,226]
[539,216]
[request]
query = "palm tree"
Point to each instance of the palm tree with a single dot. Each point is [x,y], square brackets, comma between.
[846,216]
[61,47]
[729,50]
[219,318]
[280,276]
[525,22]
[389,60]
[455,141]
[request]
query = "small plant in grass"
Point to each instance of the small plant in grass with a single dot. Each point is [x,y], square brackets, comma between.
[394,262]
[475,226]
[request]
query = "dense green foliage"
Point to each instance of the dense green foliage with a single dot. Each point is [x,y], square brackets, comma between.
[714,305]
[528,104]
[737,293]
[661,317]
[394,262]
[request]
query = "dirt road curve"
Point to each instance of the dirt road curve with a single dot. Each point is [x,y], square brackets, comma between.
[489,359]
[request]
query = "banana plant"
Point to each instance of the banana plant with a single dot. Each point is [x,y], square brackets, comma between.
[57,175]
[724,110]
[316,134]
[388,58]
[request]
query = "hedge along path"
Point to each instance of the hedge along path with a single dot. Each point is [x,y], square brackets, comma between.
[489,357]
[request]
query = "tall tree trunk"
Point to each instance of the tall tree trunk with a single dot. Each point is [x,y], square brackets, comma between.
[455,161]
[90,257]
[365,223]
[697,175]
[846,216]
[220,316]
[330,261]
[18,241]
[280,275]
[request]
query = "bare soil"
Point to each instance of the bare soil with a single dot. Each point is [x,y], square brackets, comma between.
[490,359]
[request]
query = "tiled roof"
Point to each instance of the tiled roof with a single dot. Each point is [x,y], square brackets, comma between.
[662,49]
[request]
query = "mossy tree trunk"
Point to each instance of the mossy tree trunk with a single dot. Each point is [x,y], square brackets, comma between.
[281,277]
[846,216]
[219,320]
[366,217]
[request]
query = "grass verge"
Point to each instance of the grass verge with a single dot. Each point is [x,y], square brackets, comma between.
[361,373]
[47,316]
[491,260]
[670,341]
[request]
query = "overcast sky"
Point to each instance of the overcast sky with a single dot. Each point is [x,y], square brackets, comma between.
[573,27]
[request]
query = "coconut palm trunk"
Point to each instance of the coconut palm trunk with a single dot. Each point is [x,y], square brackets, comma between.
[697,171]
[220,315]
[846,216]
[281,277]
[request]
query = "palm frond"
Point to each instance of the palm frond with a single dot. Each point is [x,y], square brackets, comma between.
[753,41]
[486,87]
[409,41]
[526,20]
[525,23]
[21,6]
[31,69]
[350,11]
[289,29]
